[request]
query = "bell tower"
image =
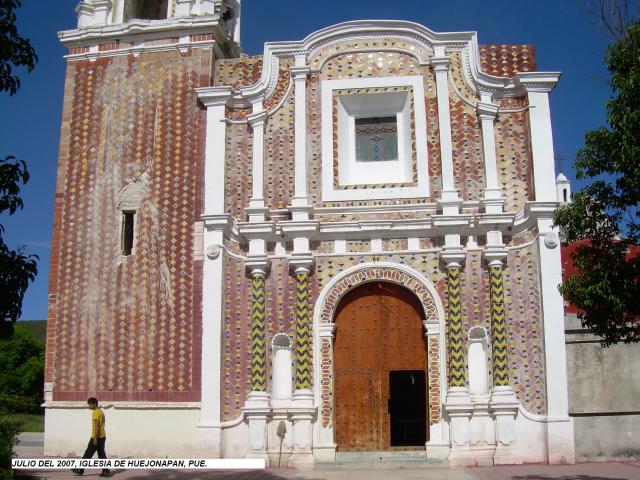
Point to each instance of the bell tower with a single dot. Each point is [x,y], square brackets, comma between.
[114,18]
[129,201]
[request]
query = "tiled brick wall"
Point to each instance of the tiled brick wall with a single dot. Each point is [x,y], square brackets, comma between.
[128,328]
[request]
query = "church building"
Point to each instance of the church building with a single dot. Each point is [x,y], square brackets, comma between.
[346,240]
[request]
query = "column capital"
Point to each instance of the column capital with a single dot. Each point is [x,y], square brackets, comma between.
[453,257]
[440,64]
[257,119]
[300,73]
[495,255]
[257,265]
[326,330]
[487,111]
[214,96]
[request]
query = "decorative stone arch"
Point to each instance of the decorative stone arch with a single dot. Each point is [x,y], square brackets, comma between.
[323,329]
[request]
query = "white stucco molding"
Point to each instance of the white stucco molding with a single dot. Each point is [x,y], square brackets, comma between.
[149,29]
[543,82]
[464,42]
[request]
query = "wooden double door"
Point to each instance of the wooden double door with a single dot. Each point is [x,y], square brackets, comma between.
[380,378]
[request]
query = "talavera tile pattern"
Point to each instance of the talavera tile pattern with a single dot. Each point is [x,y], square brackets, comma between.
[128,328]
[373,58]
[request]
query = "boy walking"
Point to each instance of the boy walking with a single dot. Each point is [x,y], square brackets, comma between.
[98,437]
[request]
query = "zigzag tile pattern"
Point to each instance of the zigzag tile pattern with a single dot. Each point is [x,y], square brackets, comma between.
[258,340]
[457,370]
[303,333]
[498,328]
[127,327]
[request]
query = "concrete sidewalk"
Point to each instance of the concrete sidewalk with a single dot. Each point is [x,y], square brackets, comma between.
[582,471]
[31,446]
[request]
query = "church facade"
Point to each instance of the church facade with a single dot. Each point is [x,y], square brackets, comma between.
[346,241]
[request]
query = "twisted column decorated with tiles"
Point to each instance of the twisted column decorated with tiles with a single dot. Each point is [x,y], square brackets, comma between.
[258,341]
[498,326]
[457,372]
[302,331]
[302,410]
[300,229]
[503,403]
[257,408]
[458,404]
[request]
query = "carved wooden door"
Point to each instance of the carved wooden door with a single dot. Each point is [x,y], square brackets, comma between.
[378,330]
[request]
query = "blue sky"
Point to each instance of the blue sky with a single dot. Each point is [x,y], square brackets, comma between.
[564,38]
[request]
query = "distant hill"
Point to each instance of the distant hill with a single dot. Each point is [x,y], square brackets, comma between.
[37,327]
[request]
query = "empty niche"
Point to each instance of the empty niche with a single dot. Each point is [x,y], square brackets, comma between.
[281,364]
[477,359]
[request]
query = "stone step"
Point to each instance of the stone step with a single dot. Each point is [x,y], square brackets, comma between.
[30,445]
[381,460]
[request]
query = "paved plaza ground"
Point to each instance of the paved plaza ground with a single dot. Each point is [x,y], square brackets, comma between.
[31,447]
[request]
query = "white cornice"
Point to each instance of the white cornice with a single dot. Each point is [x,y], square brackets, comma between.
[537,81]
[142,29]
[464,42]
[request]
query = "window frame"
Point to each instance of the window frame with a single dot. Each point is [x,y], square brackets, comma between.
[358,180]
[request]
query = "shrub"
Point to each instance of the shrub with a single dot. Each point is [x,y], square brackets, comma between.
[9,430]
[22,375]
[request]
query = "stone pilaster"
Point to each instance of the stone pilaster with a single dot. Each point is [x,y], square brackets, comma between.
[503,403]
[492,200]
[302,411]
[458,404]
[440,63]
[257,408]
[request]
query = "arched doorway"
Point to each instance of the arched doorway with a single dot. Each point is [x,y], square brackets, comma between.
[380,369]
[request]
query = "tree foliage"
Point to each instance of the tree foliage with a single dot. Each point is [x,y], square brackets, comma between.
[17,268]
[606,212]
[15,51]
[23,374]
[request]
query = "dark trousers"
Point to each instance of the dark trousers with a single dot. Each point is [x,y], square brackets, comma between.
[92,449]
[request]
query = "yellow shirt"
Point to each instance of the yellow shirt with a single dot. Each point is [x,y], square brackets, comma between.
[97,424]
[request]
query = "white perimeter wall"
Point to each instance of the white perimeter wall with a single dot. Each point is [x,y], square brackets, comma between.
[141,433]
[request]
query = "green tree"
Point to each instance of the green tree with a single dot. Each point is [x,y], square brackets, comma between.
[23,374]
[17,268]
[15,51]
[605,214]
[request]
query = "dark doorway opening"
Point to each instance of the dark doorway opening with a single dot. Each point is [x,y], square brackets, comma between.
[408,408]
